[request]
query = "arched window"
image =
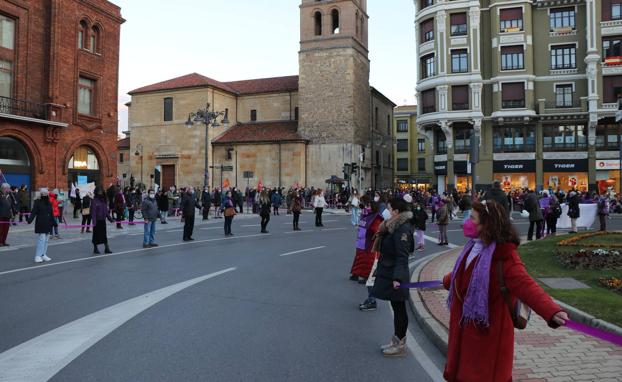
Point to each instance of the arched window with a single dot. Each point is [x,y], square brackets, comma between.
[318,23]
[95,40]
[335,18]
[83,159]
[82,34]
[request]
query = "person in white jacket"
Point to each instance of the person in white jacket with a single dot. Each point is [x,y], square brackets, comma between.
[319,203]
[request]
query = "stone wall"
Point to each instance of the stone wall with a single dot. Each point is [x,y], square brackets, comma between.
[270,107]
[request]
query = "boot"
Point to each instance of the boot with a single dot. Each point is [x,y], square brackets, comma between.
[95,250]
[397,349]
[394,341]
[107,249]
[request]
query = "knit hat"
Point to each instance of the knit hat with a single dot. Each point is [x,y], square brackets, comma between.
[408,198]
[44,191]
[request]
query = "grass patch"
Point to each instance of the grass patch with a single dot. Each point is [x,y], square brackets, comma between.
[604,240]
[541,261]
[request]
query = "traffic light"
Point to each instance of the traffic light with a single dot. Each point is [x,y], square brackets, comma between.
[355,167]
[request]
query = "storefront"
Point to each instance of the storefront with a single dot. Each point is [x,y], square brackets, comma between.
[413,183]
[15,165]
[515,174]
[566,174]
[440,171]
[462,171]
[607,175]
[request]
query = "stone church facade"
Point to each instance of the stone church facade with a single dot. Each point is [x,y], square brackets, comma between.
[283,131]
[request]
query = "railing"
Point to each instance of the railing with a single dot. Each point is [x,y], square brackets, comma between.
[460,106]
[574,103]
[22,108]
[513,104]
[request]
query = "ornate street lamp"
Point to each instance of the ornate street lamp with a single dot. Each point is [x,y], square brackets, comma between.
[208,118]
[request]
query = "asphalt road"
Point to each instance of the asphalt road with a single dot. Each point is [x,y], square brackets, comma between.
[281,309]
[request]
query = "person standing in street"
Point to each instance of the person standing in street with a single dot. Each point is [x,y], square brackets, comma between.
[276,201]
[464,204]
[296,209]
[6,213]
[217,201]
[419,219]
[354,202]
[206,202]
[264,210]
[119,206]
[442,220]
[100,213]
[86,213]
[229,206]
[554,213]
[532,206]
[394,241]
[188,205]
[486,280]
[319,203]
[151,214]
[56,213]
[163,205]
[574,211]
[23,197]
[497,194]
[42,213]
[603,211]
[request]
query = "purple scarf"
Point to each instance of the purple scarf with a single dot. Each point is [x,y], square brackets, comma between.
[475,306]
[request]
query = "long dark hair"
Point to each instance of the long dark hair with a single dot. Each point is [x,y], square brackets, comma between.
[496,225]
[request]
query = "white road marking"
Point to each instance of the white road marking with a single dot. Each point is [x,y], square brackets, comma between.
[304,230]
[328,221]
[298,222]
[333,229]
[252,225]
[435,240]
[205,229]
[302,250]
[126,252]
[174,230]
[40,358]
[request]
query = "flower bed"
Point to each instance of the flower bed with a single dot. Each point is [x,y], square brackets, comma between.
[611,283]
[591,259]
[577,240]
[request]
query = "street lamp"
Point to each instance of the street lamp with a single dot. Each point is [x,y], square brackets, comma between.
[207,117]
[139,151]
[383,141]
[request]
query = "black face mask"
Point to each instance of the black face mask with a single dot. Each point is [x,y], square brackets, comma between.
[45,199]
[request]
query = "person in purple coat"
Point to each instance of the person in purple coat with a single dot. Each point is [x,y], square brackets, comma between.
[99,215]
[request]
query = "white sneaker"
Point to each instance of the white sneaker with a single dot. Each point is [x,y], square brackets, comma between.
[46,258]
[38,259]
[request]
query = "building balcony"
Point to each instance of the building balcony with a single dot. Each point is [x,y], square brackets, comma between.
[16,107]
[610,27]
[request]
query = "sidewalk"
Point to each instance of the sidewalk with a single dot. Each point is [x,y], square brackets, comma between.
[540,353]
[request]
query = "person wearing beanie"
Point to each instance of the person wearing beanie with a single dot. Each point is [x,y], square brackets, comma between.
[44,216]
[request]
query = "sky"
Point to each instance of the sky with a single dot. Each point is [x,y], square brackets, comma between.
[232,40]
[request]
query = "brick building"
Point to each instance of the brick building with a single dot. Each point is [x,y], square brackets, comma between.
[59,64]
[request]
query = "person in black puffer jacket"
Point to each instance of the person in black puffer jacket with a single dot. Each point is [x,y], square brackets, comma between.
[498,195]
[574,212]
[394,240]
[42,213]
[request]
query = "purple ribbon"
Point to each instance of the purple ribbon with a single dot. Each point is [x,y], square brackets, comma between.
[615,339]
[422,284]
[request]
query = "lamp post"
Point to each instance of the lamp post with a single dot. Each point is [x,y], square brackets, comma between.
[207,117]
[382,141]
[139,151]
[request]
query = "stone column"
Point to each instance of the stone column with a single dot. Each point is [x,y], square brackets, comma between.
[449,136]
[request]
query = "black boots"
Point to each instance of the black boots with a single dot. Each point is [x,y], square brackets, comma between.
[107,249]
[95,250]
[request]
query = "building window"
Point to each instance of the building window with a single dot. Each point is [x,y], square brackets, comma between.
[427,30]
[512,57]
[462,139]
[562,18]
[402,164]
[421,145]
[616,11]
[426,3]
[6,79]
[427,66]
[86,96]
[402,126]
[607,137]
[511,19]
[460,97]
[612,50]
[440,143]
[253,115]
[7,32]
[82,34]
[563,95]
[459,62]
[121,158]
[376,118]
[388,125]
[318,23]
[335,18]
[458,24]
[402,145]
[563,57]
[513,95]
[421,164]
[514,139]
[296,111]
[612,89]
[168,109]
[95,40]
[428,101]
[565,138]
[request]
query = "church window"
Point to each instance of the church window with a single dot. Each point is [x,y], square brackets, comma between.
[318,23]
[253,115]
[335,18]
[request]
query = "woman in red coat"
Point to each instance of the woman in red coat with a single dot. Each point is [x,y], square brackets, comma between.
[481,330]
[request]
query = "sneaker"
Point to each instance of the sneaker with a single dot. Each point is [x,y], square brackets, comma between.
[354,278]
[153,245]
[398,348]
[38,259]
[421,249]
[390,344]
[368,306]
[146,246]
[46,258]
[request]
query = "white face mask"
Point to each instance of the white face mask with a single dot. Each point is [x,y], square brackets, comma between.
[386,214]
[151,196]
[377,199]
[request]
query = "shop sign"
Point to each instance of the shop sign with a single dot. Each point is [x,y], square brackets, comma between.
[516,166]
[565,165]
[607,164]
[440,168]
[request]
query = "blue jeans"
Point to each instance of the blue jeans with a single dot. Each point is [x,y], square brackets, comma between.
[466,216]
[356,213]
[55,228]
[150,228]
[42,244]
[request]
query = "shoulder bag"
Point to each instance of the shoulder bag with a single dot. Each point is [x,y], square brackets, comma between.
[519,312]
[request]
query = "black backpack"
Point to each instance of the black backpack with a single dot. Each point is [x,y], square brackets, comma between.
[557,211]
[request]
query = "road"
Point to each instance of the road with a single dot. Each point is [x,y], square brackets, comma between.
[253,307]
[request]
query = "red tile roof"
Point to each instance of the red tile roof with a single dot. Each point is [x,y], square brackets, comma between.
[195,80]
[192,80]
[123,144]
[261,132]
[266,85]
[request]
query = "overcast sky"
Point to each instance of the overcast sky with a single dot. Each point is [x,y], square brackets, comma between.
[241,39]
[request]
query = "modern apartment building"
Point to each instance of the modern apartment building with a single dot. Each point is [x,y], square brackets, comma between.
[413,151]
[536,80]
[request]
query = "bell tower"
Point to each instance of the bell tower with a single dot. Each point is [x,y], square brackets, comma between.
[333,91]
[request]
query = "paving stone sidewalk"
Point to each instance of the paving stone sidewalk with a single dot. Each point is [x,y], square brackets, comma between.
[541,354]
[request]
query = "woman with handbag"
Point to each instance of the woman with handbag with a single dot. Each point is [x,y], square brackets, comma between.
[489,290]
[229,208]
[394,241]
[264,210]
[86,213]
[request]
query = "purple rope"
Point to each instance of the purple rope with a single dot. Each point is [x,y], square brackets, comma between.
[422,284]
[615,339]
[13,223]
